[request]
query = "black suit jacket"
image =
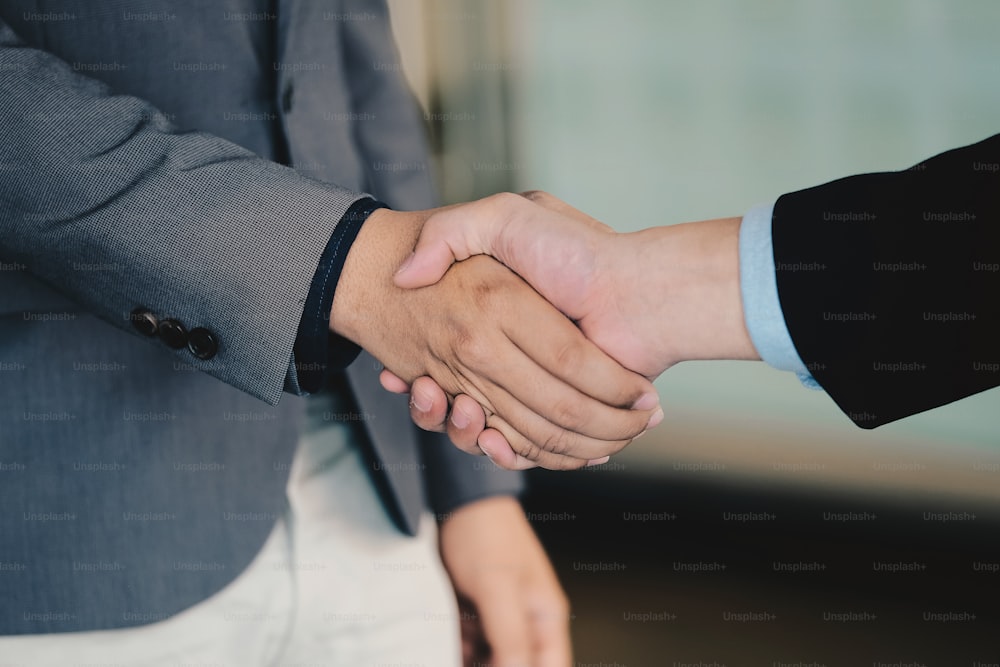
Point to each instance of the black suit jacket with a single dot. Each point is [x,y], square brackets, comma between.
[890,283]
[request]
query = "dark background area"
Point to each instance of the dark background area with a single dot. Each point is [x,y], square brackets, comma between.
[634,605]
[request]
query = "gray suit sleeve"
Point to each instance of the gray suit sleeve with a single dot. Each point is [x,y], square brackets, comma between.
[186,225]
[455,478]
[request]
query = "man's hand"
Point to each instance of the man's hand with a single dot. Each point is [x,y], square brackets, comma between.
[483,332]
[649,299]
[514,612]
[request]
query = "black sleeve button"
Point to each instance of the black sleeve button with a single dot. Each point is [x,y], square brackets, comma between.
[173,334]
[143,321]
[202,343]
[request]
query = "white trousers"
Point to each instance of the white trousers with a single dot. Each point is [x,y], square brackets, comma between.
[335,585]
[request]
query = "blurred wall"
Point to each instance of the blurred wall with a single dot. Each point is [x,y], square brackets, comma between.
[651,112]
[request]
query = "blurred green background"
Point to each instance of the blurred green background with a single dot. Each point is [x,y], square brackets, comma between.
[652,112]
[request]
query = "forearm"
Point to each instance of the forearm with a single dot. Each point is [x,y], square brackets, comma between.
[359,311]
[190,227]
[690,300]
[455,479]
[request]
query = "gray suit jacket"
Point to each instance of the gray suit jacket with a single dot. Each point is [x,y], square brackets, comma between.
[139,169]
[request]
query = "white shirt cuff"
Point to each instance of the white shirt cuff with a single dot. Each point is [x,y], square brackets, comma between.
[761,306]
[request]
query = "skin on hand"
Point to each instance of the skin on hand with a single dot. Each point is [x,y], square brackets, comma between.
[628,292]
[514,612]
[650,299]
[483,332]
[464,425]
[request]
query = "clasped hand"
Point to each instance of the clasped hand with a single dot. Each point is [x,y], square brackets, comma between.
[649,299]
[483,334]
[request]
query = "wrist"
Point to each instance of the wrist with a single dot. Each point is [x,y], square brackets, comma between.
[700,311]
[495,503]
[359,303]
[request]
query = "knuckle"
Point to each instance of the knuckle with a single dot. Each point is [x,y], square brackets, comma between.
[615,446]
[620,423]
[483,295]
[527,449]
[471,350]
[568,414]
[537,196]
[433,221]
[518,443]
[556,441]
[506,206]
[569,356]
[506,199]
[625,393]
[624,425]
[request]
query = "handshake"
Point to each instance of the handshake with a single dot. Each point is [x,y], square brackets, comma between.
[538,346]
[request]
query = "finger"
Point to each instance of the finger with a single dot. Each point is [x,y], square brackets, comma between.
[392,382]
[582,389]
[427,264]
[533,435]
[466,421]
[553,203]
[526,453]
[547,415]
[505,623]
[428,402]
[494,445]
[462,231]
[428,408]
[500,369]
[428,405]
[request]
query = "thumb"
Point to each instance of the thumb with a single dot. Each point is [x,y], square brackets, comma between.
[448,236]
[426,265]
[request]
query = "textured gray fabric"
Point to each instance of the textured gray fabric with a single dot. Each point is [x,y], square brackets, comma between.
[138,170]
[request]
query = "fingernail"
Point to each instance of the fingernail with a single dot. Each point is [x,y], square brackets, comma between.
[597,462]
[646,402]
[655,419]
[639,436]
[420,402]
[459,419]
[406,263]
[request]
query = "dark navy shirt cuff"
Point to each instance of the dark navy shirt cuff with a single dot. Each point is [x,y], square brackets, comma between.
[318,350]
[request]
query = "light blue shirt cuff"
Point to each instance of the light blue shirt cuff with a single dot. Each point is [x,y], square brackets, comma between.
[761,306]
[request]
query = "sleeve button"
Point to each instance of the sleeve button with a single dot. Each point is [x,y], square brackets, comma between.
[202,343]
[173,334]
[143,321]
